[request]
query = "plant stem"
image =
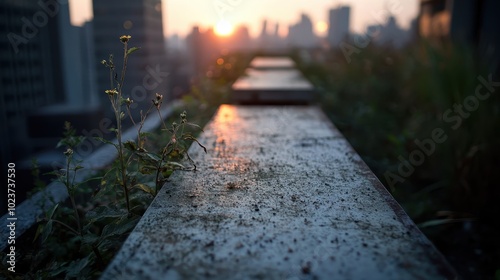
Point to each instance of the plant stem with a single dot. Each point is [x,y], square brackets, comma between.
[161,118]
[118,112]
[158,170]
[71,194]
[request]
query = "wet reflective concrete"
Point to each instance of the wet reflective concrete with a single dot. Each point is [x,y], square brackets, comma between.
[280,195]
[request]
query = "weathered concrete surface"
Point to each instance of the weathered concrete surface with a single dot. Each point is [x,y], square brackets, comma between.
[272,86]
[272,62]
[280,195]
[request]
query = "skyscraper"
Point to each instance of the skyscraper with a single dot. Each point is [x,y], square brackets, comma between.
[147,68]
[338,28]
[31,68]
[301,34]
[43,83]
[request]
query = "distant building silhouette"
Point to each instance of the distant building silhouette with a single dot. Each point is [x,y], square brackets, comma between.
[338,28]
[467,22]
[240,40]
[270,41]
[147,68]
[203,50]
[389,34]
[264,36]
[301,34]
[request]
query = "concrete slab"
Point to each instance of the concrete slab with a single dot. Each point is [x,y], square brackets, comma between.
[280,195]
[272,86]
[272,62]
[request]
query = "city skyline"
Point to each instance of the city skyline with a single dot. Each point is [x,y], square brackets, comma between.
[207,14]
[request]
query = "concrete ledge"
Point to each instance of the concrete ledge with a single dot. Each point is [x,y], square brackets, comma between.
[272,80]
[280,195]
[272,62]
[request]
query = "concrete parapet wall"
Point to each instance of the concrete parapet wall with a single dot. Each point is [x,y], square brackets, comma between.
[279,195]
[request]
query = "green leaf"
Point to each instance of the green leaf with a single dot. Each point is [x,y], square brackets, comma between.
[167,173]
[104,213]
[58,269]
[39,230]
[90,179]
[173,163]
[75,268]
[147,169]
[52,211]
[56,173]
[145,188]
[90,239]
[439,222]
[146,134]
[194,125]
[105,141]
[78,167]
[133,49]
[153,156]
[130,145]
[190,137]
[47,230]
[119,227]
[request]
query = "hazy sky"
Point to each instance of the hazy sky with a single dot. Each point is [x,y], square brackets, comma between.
[180,15]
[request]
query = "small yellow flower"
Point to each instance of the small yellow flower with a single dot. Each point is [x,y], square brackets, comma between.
[128,101]
[111,92]
[125,38]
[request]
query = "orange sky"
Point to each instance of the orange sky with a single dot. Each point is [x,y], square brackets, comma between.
[179,15]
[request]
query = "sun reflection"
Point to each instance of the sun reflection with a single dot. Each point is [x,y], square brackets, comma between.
[224,126]
[226,114]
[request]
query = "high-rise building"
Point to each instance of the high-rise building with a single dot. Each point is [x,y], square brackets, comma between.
[389,34]
[301,34]
[338,28]
[147,71]
[31,68]
[43,83]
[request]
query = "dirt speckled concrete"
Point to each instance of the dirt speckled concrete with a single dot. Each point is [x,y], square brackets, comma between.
[280,195]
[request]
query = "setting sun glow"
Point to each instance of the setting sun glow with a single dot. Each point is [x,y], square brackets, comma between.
[223,28]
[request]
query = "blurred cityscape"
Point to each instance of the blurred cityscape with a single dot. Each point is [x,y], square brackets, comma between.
[51,70]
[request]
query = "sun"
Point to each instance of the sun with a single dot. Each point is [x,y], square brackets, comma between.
[322,27]
[223,28]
